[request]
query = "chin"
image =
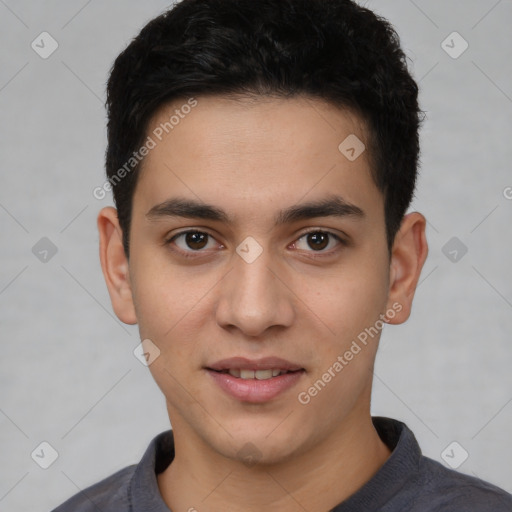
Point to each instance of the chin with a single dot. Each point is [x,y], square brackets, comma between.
[256,448]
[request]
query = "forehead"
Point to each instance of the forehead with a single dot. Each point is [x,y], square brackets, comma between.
[255,152]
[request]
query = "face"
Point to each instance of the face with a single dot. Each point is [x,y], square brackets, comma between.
[254,237]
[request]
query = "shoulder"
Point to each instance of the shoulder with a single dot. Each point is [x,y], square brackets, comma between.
[448,490]
[136,483]
[108,495]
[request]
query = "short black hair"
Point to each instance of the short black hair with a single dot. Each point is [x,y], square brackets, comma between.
[334,50]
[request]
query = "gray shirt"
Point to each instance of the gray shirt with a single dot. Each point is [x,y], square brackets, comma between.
[408,481]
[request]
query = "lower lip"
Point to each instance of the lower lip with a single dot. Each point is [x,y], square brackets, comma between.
[254,390]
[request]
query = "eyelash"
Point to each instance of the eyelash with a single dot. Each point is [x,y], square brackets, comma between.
[189,254]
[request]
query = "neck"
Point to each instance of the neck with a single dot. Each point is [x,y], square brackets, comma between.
[316,480]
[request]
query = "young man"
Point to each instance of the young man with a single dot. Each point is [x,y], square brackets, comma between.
[262,156]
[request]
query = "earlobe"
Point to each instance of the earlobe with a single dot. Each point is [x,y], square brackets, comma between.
[115,265]
[409,253]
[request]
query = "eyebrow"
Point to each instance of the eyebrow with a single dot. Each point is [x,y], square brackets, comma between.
[332,206]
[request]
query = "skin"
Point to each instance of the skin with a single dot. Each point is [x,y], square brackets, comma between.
[252,159]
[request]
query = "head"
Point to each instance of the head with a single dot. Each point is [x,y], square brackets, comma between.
[285,136]
[331,50]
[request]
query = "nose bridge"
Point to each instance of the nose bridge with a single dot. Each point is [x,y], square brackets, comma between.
[253,298]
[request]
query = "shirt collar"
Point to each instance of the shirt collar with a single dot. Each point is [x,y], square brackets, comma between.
[143,492]
[399,468]
[401,465]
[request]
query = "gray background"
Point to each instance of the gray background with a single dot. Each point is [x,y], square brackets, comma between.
[68,374]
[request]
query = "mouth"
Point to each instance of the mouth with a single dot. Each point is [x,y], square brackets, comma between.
[260,369]
[255,381]
[255,374]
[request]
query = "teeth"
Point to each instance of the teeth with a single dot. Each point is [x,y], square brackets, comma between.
[246,374]
[258,374]
[263,374]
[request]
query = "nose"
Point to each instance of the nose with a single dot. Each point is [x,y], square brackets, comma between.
[254,296]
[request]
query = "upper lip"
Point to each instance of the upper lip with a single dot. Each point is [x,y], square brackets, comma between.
[265,363]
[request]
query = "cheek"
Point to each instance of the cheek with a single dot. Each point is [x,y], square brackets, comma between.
[352,301]
[171,312]
[164,296]
[168,309]
[347,357]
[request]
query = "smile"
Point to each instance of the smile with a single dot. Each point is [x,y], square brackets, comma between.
[255,374]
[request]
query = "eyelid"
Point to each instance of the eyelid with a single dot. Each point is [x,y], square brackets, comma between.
[324,254]
[341,237]
[188,254]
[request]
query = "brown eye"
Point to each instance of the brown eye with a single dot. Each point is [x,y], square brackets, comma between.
[190,242]
[196,240]
[318,241]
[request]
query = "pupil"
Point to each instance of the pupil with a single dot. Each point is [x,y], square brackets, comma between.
[193,239]
[315,237]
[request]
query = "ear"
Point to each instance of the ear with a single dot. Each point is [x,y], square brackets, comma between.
[408,255]
[115,265]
